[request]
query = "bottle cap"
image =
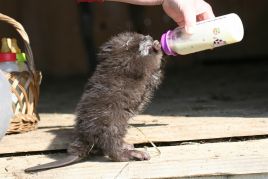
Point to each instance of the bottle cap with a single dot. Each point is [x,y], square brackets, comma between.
[7,57]
[21,57]
[164,44]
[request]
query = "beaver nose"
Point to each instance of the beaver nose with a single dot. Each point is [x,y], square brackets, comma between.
[156,45]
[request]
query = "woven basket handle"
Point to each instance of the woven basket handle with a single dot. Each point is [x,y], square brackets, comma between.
[19,28]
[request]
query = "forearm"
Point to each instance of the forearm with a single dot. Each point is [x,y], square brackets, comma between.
[140,2]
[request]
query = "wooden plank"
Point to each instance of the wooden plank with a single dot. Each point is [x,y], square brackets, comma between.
[250,176]
[214,159]
[55,131]
[55,120]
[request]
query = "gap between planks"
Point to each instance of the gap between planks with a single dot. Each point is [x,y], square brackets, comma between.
[55,131]
[215,159]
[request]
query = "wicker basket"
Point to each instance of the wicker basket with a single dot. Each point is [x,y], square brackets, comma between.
[24,87]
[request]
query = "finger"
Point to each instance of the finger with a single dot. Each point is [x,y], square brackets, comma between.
[189,19]
[205,13]
[179,19]
[181,23]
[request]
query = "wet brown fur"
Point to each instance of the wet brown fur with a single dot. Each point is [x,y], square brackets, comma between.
[128,72]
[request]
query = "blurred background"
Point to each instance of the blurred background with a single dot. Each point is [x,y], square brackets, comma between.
[65,36]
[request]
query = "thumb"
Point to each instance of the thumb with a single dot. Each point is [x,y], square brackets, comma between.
[189,19]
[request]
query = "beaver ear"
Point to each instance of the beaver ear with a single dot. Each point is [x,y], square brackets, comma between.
[104,51]
[107,48]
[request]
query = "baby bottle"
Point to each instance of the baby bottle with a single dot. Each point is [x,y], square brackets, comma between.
[21,57]
[8,62]
[7,58]
[209,34]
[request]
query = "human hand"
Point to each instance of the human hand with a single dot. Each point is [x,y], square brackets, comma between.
[187,12]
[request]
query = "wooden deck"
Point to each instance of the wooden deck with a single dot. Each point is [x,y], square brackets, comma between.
[196,147]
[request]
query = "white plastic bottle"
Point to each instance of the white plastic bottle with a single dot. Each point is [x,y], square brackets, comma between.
[8,62]
[6,111]
[209,34]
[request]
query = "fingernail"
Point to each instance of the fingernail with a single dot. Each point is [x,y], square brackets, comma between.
[189,29]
